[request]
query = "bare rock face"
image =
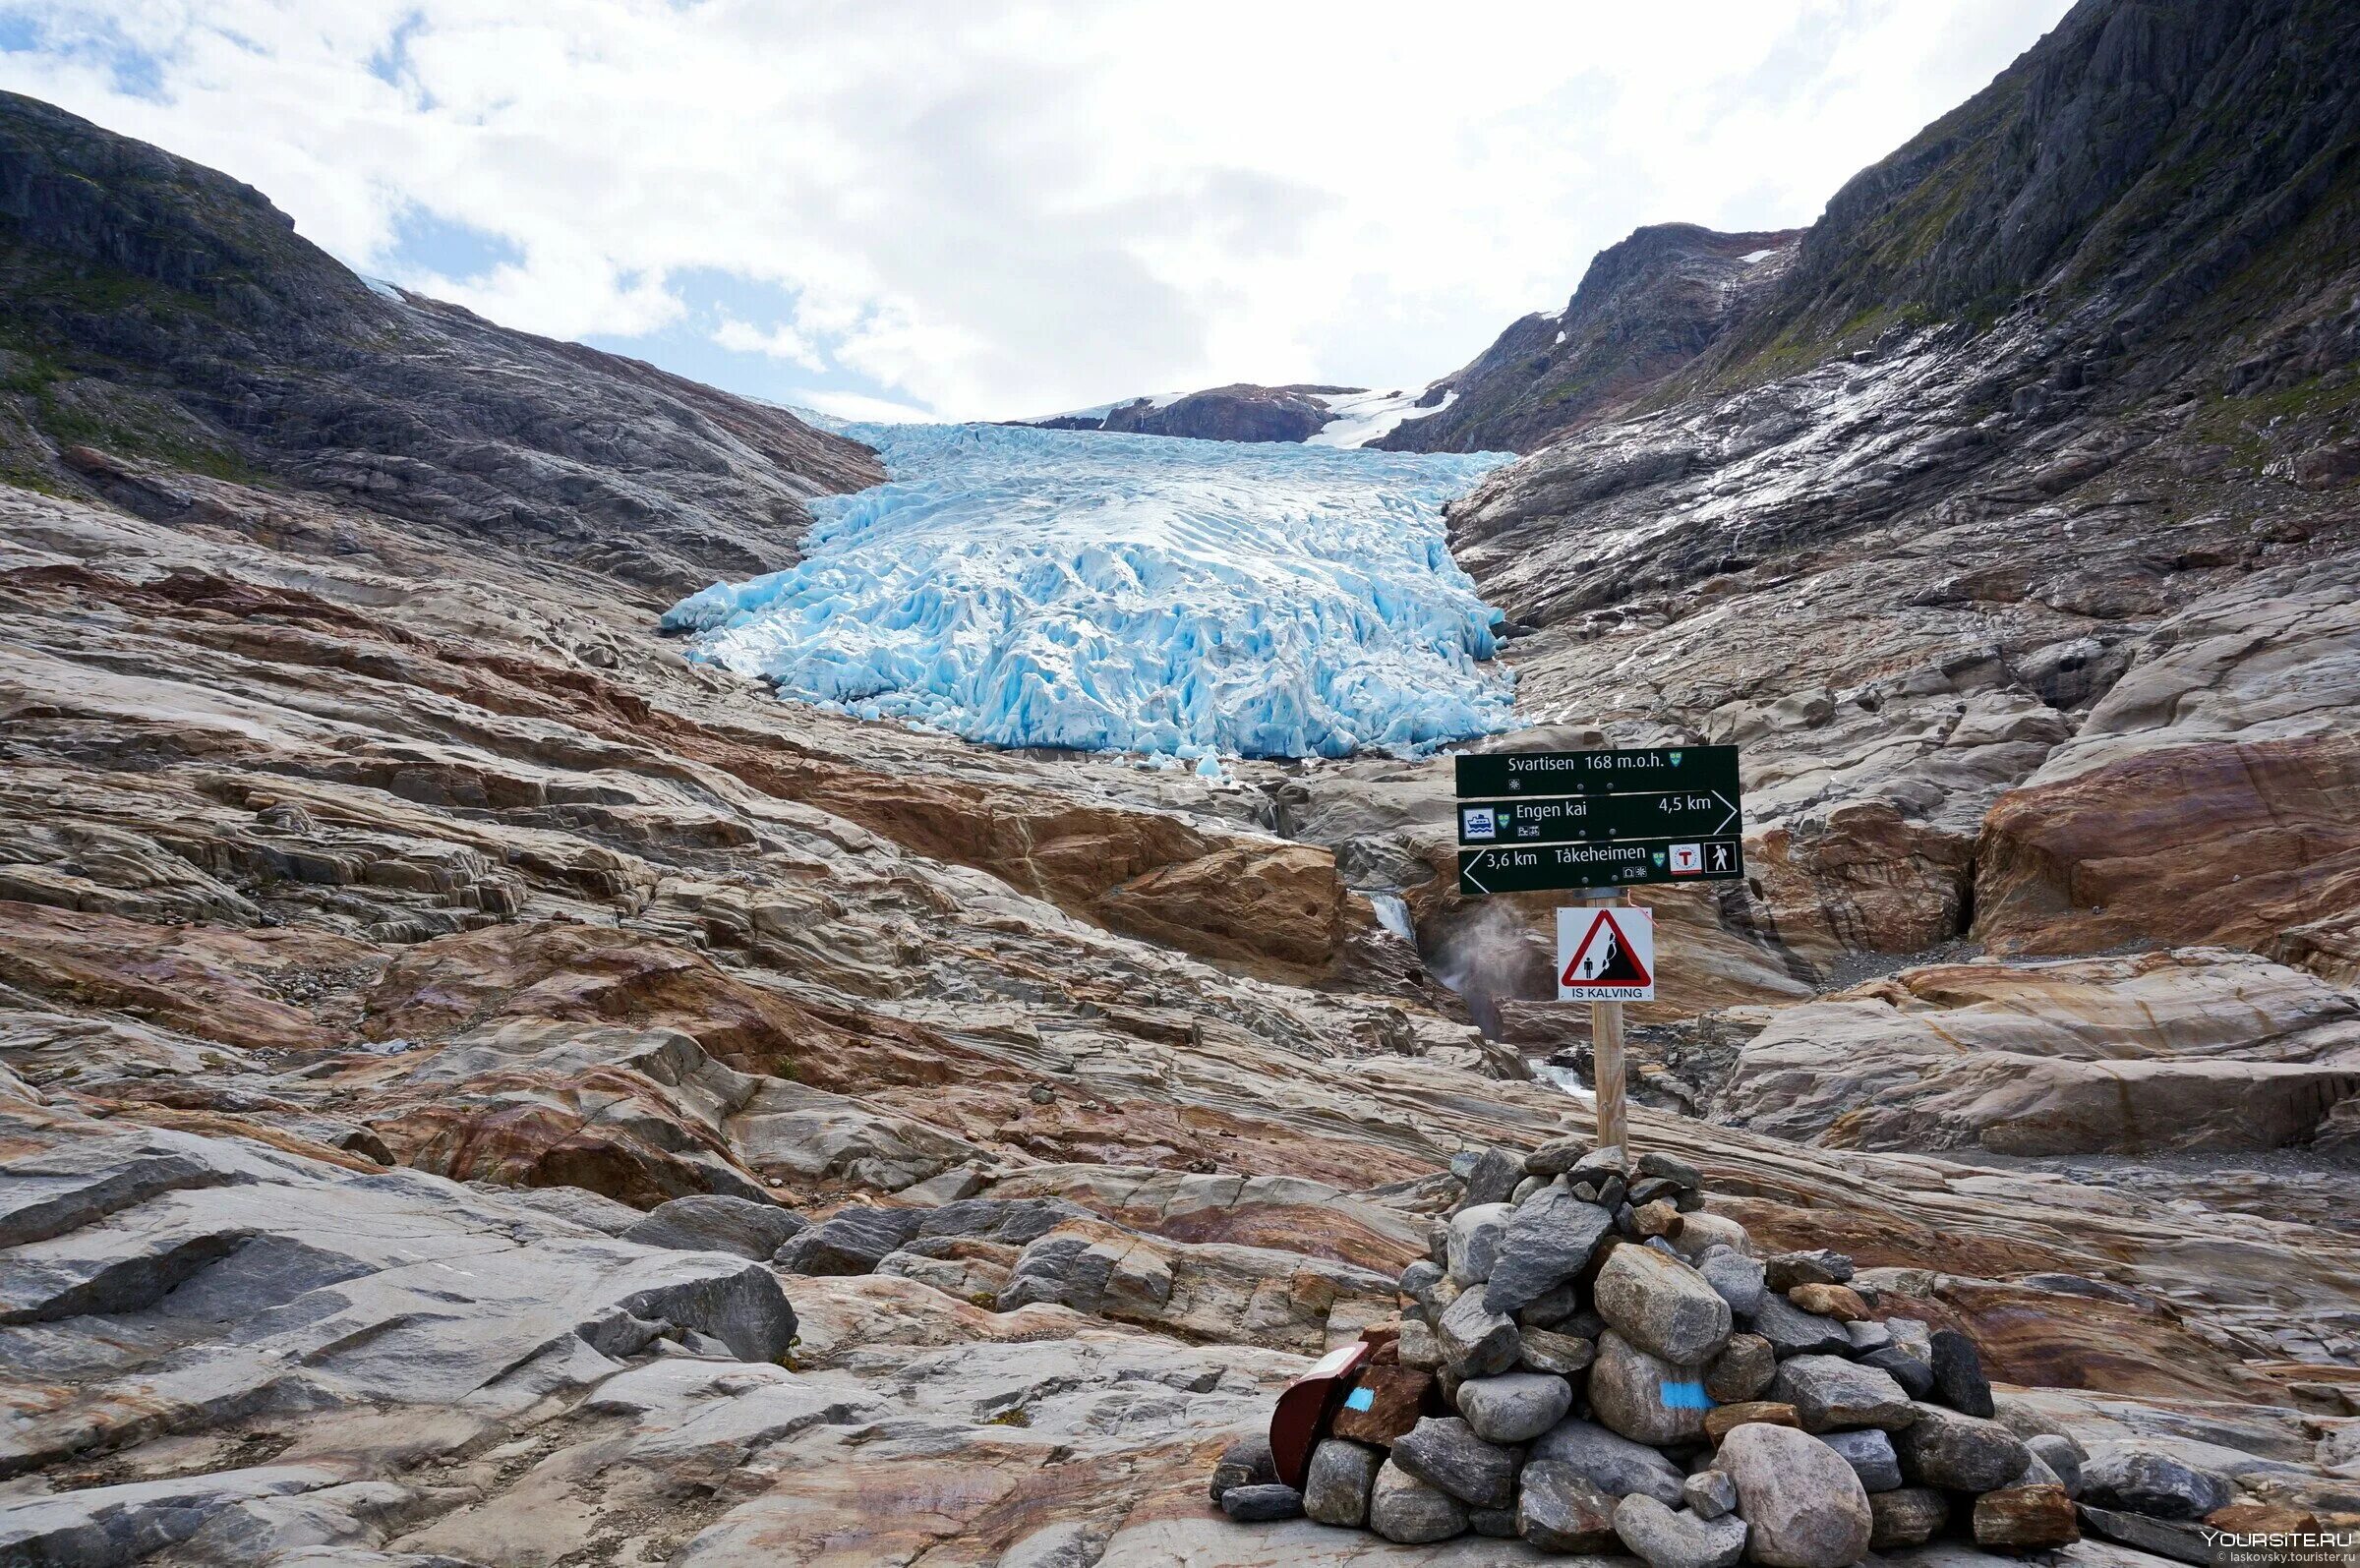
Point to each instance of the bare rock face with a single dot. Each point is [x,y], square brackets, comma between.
[2226,752]
[1647,305]
[2236,844]
[1237,412]
[2199,1049]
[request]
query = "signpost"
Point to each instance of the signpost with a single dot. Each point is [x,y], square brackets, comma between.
[1597,822]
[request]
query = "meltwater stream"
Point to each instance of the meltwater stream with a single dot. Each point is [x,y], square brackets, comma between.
[1182,598]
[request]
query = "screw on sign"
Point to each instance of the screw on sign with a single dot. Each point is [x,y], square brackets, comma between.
[1598,821]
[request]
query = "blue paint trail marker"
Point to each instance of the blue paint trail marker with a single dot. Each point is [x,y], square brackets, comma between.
[1361,1399]
[1686,1396]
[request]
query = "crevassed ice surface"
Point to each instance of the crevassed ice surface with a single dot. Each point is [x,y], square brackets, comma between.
[1129,593]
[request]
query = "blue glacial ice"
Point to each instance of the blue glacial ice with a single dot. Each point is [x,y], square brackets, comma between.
[1129,593]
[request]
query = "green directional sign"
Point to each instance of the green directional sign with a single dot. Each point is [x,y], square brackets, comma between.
[1536,821]
[1598,773]
[1570,819]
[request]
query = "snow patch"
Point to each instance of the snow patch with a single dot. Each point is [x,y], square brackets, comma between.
[1365,417]
[1108,592]
[1751,257]
[381,288]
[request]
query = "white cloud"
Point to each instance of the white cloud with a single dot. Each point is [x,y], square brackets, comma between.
[780,342]
[990,208]
[853,405]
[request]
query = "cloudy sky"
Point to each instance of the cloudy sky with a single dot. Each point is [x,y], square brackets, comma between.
[977,209]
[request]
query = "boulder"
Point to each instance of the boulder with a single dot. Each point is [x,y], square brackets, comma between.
[1709,1493]
[1614,1463]
[1493,1177]
[1913,1338]
[1337,1485]
[1802,1504]
[1664,1538]
[1552,1307]
[1700,1232]
[2163,1538]
[1550,1240]
[1670,1168]
[1255,1504]
[1514,1407]
[2062,1455]
[1907,1516]
[712,1222]
[1915,1378]
[1474,1244]
[1839,1301]
[1735,1277]
[1645,1397]
[1497,1524]
[1793,1331]
[1657,1218]
[1557,1158]
[1443,1451]
[2147,1480]
[1722,1419]
[1959,1380]
[1244,1462]
[1959,1453]
[1385,1403]
[1544,1351]
[1405,1510]
[1662,1306]
[1786,1270]
[852,1240]
[1743,1370]
[1418,1345]
[1831,1394]
[1870,1455]
[1417,1282]
[2022,1518]
[1561,1510]
[1476,1340]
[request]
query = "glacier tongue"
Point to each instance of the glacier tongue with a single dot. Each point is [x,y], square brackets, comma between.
[1129,593]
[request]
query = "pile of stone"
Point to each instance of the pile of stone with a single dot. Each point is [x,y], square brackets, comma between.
[1592,1361]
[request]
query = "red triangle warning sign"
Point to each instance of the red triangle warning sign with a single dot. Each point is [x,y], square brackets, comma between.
[1606,957]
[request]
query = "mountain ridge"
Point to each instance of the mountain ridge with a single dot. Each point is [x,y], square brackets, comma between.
[164,309]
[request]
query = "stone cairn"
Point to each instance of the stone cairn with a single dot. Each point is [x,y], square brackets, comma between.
[1591,1362]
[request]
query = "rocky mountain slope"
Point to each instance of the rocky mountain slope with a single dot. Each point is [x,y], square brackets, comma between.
[1646,309]
[158,309]
[477,1088]
[1327,416]
[2027,590]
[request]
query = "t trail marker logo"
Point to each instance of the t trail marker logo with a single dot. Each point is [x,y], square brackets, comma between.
[1605,953]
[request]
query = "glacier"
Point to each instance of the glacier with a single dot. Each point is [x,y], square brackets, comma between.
[1184,599]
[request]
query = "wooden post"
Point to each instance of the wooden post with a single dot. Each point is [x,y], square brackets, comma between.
[1605,1055]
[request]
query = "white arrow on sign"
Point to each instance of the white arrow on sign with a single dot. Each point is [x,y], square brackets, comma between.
[1468,870]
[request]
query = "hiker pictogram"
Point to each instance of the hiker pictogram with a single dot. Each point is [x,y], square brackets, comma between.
[1606,953]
